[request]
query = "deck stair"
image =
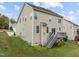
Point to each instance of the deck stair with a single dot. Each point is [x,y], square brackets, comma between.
[53,38]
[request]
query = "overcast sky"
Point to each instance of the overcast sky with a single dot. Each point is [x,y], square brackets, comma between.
[70,10]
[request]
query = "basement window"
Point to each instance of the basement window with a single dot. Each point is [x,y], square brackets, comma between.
[37,29]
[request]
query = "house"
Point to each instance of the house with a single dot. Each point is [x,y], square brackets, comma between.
[70,28]
[35,23]
[14,27]
[38,25]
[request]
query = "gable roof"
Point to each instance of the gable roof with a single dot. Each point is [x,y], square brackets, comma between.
[44,10]
[41,10]
[72,22]
[20,12]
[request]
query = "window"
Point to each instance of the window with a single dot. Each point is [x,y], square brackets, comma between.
[25,18]
[30,16]
[35,16]
[59,20]
[47,29]
[59,28]
[49,20]
[37,29]
[53,30]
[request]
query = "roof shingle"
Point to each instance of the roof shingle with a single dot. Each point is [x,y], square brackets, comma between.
[45,10]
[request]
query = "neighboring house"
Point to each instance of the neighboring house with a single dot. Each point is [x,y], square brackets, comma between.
[70,28]
[35,23]
[12,26]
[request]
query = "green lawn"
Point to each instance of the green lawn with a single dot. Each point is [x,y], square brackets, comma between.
[14,46]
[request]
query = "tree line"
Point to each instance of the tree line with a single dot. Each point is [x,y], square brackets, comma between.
[4,21]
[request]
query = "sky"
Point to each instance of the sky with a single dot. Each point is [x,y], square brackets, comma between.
[69,10]
[11,9]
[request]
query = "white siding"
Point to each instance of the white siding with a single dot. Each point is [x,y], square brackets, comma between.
[25,27]
[43,17]
[70,29]
[28,28]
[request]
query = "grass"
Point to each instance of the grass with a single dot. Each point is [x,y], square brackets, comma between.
[14,46]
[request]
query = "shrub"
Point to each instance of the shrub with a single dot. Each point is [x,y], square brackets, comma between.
[59,43]
[14,34]
[11,28]
[65,38]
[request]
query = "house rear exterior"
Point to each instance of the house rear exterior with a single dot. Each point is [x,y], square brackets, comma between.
[35,24]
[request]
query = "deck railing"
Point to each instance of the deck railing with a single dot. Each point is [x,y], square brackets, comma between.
[53,38]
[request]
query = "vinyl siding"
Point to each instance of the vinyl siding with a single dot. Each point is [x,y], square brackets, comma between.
[42,17]
[25,27]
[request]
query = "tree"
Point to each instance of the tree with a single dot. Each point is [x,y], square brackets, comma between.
[13,21]
[4,22]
